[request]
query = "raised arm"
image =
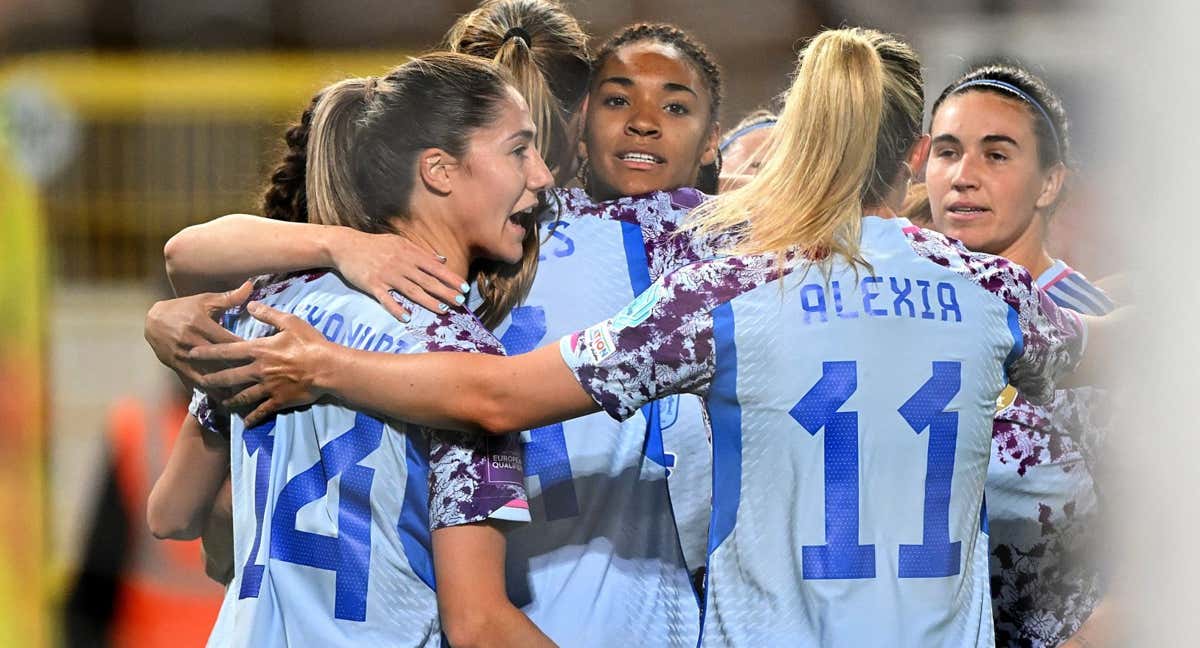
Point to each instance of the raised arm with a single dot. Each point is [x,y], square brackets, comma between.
[457,391]
[220,254]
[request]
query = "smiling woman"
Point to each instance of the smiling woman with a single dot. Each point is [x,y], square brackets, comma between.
[652,114]
[800,424]
[996,173]
[585,477]
[439,151]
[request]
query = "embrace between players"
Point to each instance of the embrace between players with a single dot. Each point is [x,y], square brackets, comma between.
[736,454]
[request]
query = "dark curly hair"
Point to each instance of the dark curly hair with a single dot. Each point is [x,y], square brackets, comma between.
[699,57]
[284,198]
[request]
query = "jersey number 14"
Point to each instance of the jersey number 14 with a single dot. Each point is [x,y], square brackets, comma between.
[349,554]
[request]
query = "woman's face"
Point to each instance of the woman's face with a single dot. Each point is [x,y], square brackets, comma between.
[648,122]
[744,155]
[501,175]
[984,179]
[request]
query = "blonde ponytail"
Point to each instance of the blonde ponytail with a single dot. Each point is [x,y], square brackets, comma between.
[831,149]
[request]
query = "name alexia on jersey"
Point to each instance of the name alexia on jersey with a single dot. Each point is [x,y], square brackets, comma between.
[881,296]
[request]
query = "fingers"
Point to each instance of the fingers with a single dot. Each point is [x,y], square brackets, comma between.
[420,297]
[267,315]
[236,352]
[261,413]
[213,333]
[452,297]
[190,376]
[217,304]
[232,377]
[446,277]
[237,297]
[247,397]
[387,299]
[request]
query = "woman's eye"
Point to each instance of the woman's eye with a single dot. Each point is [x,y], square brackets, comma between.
[615,100]
[520,151]
[945,153]
[678,109]
[997,157]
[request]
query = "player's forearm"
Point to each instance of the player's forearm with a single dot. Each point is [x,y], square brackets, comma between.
[472,602]
[456,391]
[182,497]
[220,254]
[216,542]
[502,627]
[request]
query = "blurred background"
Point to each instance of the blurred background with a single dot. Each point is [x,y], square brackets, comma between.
[123,121]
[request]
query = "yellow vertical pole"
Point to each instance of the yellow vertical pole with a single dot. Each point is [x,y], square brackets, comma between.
[23,285]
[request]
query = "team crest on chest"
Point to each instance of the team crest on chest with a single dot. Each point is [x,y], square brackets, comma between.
[1006,397]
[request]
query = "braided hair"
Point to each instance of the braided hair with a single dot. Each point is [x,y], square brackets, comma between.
[285,198]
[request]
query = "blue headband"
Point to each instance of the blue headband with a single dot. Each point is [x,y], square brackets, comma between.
[1022,95]
[744,130]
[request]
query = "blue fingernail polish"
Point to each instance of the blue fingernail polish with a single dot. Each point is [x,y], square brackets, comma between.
[465,288]
[459,299]
[406,318]
[443,307]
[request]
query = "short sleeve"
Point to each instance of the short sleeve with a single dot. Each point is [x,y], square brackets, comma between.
[1049,340]
[660,344]
[211,416]
[475,477]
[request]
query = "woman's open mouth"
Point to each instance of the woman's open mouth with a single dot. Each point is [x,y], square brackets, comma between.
[640,160]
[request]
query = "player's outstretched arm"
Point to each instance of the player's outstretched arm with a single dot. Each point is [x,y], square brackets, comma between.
[219,254]
[475,610]
[456,391]
[180,502]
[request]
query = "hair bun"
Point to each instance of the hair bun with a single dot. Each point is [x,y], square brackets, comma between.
[518,32]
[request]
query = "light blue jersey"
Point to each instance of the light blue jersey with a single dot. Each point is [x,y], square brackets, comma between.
[851,418]
[333,508]
[601,563]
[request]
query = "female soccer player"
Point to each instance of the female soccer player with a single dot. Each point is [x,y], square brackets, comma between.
[603,532]
[998,168]
[742,149]
[333,506]
[849,363]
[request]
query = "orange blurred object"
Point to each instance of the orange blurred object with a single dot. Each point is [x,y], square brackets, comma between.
[163,595]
